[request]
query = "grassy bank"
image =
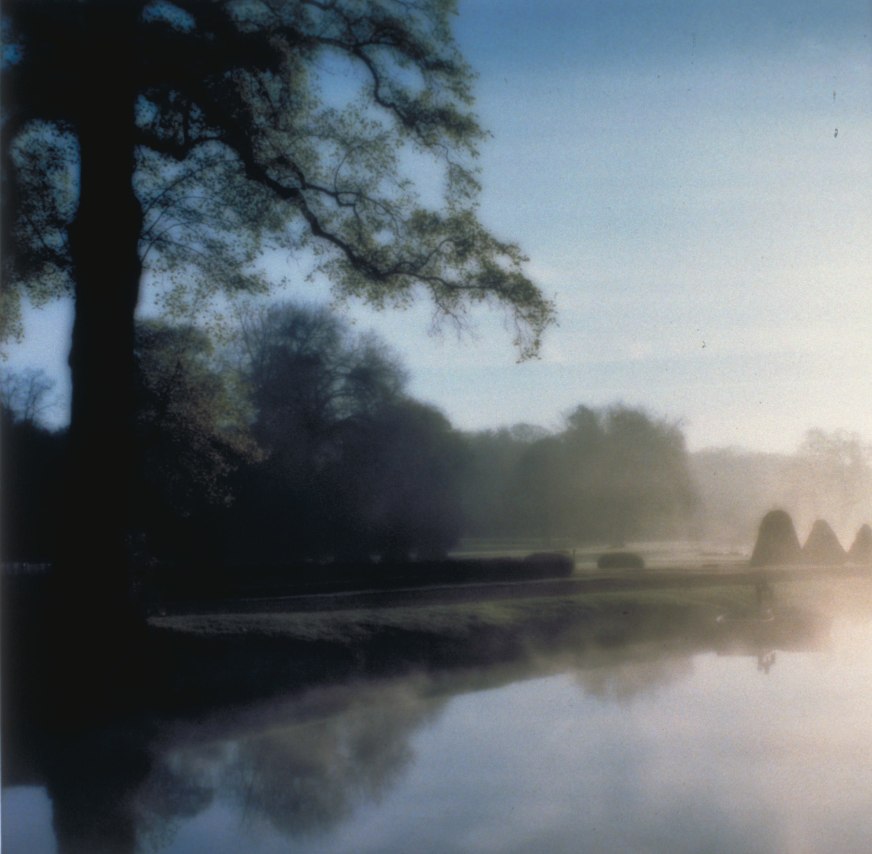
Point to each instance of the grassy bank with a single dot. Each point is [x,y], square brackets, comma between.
[246,654]
[195,660]
[451,620]
[351,626]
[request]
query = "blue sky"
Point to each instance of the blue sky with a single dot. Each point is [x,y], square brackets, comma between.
[693,184]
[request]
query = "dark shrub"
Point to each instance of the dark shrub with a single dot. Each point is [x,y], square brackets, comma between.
[861,550]
[776,541]
[823,546]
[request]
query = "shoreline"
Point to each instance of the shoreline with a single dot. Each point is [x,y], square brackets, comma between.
[244,651]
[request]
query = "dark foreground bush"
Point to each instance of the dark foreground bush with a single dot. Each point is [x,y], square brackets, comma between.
[620,560]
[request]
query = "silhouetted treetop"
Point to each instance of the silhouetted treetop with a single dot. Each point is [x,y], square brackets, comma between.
[24,394]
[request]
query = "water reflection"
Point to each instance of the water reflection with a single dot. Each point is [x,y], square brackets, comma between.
[765,660]
[643,674]
[303,771]
[592,742]
[759,632]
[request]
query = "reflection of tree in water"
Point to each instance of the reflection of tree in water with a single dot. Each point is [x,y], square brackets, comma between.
[307,778]
[303,763]
[93,781]
[301,777]
[765,660]
[622,674]
[177,788]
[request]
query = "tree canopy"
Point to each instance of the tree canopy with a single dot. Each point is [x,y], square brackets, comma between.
[609,476]
[247,126]
[352,467]
[177,141]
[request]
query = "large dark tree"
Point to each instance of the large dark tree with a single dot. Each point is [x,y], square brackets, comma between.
[181,138]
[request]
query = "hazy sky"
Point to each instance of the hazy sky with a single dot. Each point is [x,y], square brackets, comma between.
[693,184]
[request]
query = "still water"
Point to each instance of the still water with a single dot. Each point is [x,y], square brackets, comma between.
[643,748]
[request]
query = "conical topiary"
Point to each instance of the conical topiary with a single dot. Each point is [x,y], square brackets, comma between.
[823,546]
[776,541]
[861,550]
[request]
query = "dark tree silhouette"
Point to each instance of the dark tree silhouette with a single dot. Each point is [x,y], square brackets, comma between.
[861,548]
[541,488]
[645,480]
[311,384]
[399,483]
[351,466]
[25,395]
[184,137]
[822,546]
[192,433]
[31,460]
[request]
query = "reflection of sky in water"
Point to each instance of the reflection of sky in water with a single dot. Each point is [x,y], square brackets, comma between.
[702,754]
[728,760]
[26,821]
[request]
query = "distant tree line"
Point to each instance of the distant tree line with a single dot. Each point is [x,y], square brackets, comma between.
[607,476]
[295,439]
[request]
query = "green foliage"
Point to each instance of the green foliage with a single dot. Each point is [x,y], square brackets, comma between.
[191,435]
[283,126]
[43,158]
[175,142]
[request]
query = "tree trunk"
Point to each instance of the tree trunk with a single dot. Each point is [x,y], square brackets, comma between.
[92,570]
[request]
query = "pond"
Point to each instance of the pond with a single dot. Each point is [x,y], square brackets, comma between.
[647,746]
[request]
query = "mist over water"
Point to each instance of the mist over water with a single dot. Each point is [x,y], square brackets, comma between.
[289,585]
[746,734]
